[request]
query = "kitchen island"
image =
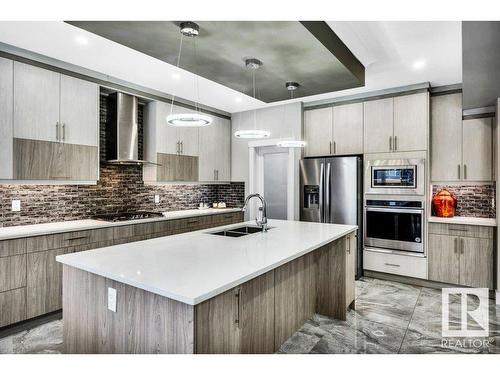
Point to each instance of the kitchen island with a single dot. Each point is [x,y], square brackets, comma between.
[204,293]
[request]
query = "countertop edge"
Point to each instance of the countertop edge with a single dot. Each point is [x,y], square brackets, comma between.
[464,220]
[223,288]
[107,224]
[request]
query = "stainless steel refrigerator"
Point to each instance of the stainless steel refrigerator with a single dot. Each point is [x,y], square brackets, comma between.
[331,191]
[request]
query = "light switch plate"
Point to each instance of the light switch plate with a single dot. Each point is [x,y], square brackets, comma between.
[112,299]
[16,205]
[157,198]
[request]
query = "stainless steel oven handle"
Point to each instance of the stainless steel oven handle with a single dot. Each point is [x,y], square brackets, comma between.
[327,198]
[402,210]
[321,208]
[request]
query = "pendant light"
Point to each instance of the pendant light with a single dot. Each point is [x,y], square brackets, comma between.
[196,119]
[253,64]
[290,143]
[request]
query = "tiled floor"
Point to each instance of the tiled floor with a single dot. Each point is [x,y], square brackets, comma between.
[389,318]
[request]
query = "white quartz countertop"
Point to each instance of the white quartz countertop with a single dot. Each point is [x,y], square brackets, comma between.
[75,225]
[466,220]
[196,266]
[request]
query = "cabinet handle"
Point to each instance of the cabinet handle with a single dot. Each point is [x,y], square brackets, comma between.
[455,246]
[395,143]
[462,247]
[334,147]
[390,143]
[392,265]
[330,147]
[217,174]
[63,131]
[459,171]
[193,221]
[465,171]
[57,131]
[182,147]
[76,238]
[237,298]
[177,147]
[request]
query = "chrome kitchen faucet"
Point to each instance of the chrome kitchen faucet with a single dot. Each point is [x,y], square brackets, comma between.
[263,221]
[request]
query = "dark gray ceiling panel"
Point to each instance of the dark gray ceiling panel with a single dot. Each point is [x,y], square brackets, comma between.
[309,53]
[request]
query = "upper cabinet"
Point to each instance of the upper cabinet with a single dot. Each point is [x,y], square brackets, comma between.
[397,124]
[334,130]
[54,128]
[36,103]
[348,129]
[185,154]
[6,93]
[379,125]
[215,151]
[461,150]
[318,131]
[411,122]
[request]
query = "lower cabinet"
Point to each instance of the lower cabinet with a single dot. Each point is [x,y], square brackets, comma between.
[44,283]
[461,255]
[240,320]
[261,314]
[31,278]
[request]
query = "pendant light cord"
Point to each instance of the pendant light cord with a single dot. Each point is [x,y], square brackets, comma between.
[255,110]
[178,63]
[197,83]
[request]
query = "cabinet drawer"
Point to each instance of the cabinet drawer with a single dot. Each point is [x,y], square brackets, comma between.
[68,239]
[195,223]
[12,247]
[227,218]
[395,264]
[12,306]
[12,272]
[135,230]
[462,230]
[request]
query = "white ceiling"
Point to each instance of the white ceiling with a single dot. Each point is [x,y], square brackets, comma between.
[388,50]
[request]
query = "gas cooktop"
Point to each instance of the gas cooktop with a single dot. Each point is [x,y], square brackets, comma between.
[124,216]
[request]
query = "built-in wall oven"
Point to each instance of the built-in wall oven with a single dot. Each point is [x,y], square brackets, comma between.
[401,176]
[394,223]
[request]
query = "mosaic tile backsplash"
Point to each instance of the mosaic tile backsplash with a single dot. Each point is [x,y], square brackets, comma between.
[120,188]
[472,200]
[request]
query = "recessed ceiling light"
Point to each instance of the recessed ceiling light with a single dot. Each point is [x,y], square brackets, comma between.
[82,40]
[176,76]
[238,99]
[419,64]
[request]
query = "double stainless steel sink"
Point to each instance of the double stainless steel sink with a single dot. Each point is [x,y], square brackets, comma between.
[239,231]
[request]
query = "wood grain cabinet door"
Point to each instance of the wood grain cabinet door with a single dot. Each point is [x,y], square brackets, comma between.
[36,103]
[79,111]
[478,149]
[411,122]
[446,137]
[378,117]
[6,117]
[44,283]
[444,258]
[348,129]
[318,131]
[476,262]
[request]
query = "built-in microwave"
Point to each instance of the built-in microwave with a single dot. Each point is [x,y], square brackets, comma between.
[402,176]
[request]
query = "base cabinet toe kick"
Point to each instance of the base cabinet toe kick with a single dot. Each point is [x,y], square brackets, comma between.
[257,316]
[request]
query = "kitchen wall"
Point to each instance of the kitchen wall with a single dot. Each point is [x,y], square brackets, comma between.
[283,121]
[120,188]
[473,200]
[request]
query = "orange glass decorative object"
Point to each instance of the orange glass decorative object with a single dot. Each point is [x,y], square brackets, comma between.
[444,203]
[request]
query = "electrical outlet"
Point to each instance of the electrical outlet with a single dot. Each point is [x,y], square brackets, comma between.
[112,299]
[157,198]
[16,205]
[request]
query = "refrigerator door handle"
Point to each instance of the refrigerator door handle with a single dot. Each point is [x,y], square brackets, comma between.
[327,194]
[321,208]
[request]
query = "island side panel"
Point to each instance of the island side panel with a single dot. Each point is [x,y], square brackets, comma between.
[335,283]
[143,323]
[295,296]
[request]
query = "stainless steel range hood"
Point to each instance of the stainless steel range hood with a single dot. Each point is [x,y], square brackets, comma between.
[122,130]
[480,66]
